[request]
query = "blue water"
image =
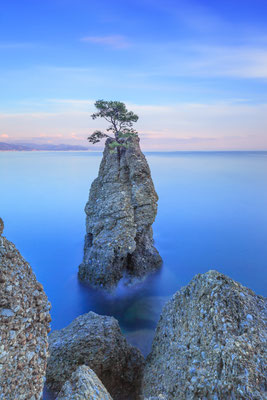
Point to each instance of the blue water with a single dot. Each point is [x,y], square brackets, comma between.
[212,215]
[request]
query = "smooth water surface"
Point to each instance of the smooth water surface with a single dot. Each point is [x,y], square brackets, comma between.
[212,215]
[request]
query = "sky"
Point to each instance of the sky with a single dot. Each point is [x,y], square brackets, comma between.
[194,71]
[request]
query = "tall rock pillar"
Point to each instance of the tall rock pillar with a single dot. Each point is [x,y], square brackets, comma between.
[120,212]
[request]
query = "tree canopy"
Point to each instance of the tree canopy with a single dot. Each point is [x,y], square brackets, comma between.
[121,123]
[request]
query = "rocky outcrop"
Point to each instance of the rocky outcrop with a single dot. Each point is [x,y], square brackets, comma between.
[24,324]
[83,385]
[95,341]
[122,207]
[210,343]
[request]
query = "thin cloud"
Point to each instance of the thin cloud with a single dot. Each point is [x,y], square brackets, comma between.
[203,60]
[77,102]
[188,126]
[114,41]
[78,137]
[15,45]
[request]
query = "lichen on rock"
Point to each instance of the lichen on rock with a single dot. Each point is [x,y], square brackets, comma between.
[97,342]
[121,209]
[83,385]
[210,343]
[24,324]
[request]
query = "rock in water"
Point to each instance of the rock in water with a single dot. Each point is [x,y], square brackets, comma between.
[122,207]
[83,385]
[210,343]
[24,324]
[95,341]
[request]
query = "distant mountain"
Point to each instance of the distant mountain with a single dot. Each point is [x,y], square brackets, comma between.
[40,147]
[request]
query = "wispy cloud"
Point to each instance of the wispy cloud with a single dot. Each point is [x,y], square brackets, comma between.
[174,59]
[114,41]
[235,61]
[15,45]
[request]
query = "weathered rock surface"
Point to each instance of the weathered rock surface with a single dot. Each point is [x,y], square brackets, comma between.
[95,341]
[210,343]
[24,324]
[83,385]
[122,207]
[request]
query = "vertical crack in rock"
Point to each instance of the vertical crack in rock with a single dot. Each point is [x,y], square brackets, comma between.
[121,209]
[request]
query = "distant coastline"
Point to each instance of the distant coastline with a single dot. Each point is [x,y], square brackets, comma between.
[19,147]
[40,147]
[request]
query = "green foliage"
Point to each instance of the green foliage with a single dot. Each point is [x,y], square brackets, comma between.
[113,145]
[121,123]
[97,136]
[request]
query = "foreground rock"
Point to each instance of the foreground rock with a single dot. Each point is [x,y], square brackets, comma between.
[24,324]
[210,343]
[95,341]
[122,207]
[83,385]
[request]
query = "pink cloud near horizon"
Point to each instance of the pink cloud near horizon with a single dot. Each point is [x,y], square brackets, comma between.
[221,126]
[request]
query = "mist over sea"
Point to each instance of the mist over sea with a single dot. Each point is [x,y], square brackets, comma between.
[212,214]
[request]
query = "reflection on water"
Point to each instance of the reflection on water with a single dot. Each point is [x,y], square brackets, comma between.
[212,215]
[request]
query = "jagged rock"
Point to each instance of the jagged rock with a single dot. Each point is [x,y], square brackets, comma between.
[83,385]
[210,343]
[122,207]
[24,324]
[95,341]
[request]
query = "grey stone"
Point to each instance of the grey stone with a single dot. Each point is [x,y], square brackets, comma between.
[7,313]
[97,342]
[23,349]
[121,209]
[210,343]
[83,385]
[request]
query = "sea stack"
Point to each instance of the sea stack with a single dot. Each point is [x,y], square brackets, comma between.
[120,212]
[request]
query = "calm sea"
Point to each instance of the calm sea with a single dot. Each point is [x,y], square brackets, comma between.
[212,214]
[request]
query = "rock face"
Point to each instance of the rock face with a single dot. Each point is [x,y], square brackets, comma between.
[83,385]
[210,343]
[122,207]
[24,324]
[95,341]
[1,226]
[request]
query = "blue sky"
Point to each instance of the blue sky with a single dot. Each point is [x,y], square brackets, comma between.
[194,71]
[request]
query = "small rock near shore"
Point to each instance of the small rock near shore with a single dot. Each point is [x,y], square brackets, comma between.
[83,385]
[97,342]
